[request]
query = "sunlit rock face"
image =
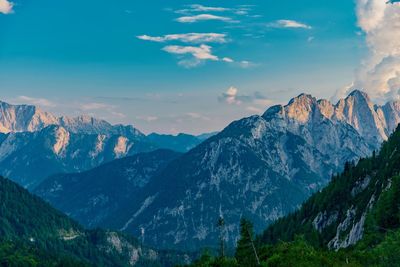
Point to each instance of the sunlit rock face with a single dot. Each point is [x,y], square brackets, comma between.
[261,167]
[35,144]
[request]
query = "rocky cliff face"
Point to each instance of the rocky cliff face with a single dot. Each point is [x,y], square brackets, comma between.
[26,118]
[29,157]
[360,204]
[35,144]
[261,167]
[23,118]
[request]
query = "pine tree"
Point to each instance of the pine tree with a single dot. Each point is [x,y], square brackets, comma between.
[246,254]
[221,226]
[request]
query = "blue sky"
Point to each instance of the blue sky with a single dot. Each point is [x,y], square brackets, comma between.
[134,62]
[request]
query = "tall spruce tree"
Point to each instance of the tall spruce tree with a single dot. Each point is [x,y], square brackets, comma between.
[246,254]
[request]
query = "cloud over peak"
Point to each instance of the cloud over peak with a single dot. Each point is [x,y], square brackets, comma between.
[232,97]
[379,75]
[6,7]
[42,102]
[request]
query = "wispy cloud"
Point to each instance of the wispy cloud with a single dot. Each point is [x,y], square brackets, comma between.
[195,115]
[203,17]
[232,97]
[245,64]
[95,106]
[196,8]
[228,60]
[147,118]
[196,48]
[199,54]
[193,56]
[255,109]
[195,38]
[71,107]
[201,8]
[6,7]
[203,52]
[42,102]
[284,23]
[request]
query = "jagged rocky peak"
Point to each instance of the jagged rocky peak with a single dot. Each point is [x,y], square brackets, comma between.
[326,108]
[391,113]
[358,110]
[19,118]
[374,122]
[301,107]
[28,118]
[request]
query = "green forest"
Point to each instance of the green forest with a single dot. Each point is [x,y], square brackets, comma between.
[294,240]
[366,195]
[32,233]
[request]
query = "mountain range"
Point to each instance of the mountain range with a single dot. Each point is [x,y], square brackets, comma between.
[261,167]
[353,221]
[35,144]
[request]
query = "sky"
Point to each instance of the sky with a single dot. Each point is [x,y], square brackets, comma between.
[193,66]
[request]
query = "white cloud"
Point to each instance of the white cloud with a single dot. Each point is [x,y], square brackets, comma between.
[379,75]
[284,23]
[193,56]
[232,97]
[147,118]
[254,109]
[195,115]
[196,8]
[6,7]
[199,54]
[201,8]
[342,93]
[228,60]
[203,52]
[203,17]
[245,64]
[42,102]
[95,106]
[187,38]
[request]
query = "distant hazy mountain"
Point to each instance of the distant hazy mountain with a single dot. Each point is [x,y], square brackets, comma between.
[35,144]
[261,167]
[29,157]
[181,142]
[29,222]
[27,118]
[95,197]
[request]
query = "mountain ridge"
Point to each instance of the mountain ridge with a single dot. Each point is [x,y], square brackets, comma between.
[105,190]
[247,168]
[35,144]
